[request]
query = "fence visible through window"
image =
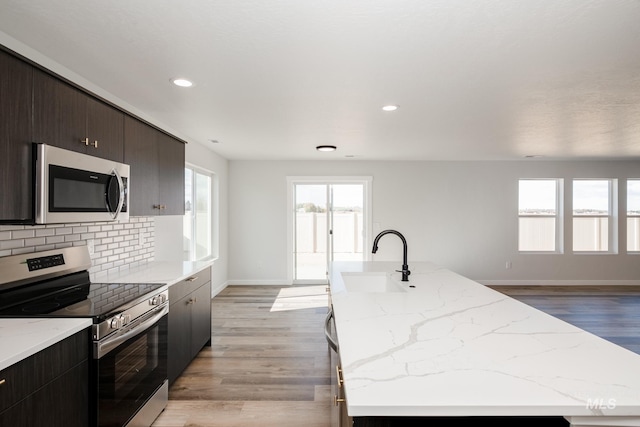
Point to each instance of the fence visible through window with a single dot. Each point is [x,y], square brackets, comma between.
[538,215]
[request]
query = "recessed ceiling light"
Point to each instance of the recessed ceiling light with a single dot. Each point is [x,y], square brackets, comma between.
[390,108]
[533,156]
[326,148]
[182,82]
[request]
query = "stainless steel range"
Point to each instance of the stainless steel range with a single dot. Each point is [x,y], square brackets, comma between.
[128,378]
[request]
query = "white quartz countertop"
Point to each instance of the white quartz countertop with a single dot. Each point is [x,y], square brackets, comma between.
[450,346]
[166,272]
[22,338]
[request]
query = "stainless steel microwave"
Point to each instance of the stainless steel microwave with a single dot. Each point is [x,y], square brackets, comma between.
[75,187]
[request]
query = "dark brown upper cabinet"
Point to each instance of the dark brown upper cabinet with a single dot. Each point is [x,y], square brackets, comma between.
[157,170]
[36,106]
[15,138]
[69,118]
[171,158]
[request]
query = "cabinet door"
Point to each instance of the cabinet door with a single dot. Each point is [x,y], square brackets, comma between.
[200,318]
[179,348]
[66,117]
[171,163]
[140,152]
[157,170]
[15,138]
[105,125]
[64,402]
[334,364]
[59,116]
[49,388]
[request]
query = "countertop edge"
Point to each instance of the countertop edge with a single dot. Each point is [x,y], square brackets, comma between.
[37,337]
[165,272]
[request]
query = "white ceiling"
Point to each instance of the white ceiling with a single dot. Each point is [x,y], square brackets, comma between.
[483,79]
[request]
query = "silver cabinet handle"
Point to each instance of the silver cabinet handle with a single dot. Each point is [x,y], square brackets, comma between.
[87,143]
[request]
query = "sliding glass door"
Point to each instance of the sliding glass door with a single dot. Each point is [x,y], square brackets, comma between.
[329,222]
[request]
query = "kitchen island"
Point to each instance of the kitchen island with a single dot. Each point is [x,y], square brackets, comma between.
[442,345]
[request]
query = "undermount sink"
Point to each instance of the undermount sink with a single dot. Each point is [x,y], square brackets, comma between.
[370,282]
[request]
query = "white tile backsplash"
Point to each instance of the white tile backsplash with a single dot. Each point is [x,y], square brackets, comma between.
[117,246]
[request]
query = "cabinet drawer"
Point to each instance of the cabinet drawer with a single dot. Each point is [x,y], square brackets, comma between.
[188,285]
[28,375]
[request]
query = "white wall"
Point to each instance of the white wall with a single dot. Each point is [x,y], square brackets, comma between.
[462,215]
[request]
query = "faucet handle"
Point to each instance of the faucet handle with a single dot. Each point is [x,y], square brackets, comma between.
[405,273]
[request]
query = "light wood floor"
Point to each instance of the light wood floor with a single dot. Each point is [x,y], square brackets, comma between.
[269,362]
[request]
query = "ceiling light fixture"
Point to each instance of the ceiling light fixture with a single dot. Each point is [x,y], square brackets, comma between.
[326,148]
[182,82]
[390,108]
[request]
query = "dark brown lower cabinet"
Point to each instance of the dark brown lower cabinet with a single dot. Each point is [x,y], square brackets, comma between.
[189,321]
[50,388]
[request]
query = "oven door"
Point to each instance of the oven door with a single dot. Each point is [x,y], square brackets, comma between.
[130,368]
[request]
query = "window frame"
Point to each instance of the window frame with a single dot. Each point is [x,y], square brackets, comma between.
[558,216]
[612,223]
[190,255]
[629,215]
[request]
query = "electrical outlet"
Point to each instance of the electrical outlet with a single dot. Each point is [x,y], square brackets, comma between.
[140,239]
[508,265]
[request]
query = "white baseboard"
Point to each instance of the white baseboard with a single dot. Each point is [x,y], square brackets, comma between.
[215,290]
[559,282]
[260,282]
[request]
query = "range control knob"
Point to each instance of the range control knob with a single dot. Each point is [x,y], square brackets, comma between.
[115,323]
[158,299]
[124,319]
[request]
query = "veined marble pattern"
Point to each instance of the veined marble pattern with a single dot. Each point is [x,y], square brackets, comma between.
[22,338]
[451,346]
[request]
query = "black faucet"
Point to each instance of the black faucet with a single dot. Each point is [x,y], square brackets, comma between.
[405,268]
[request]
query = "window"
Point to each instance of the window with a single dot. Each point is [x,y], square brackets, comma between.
[633,215]
[197,230]
[592,215]
[538,215]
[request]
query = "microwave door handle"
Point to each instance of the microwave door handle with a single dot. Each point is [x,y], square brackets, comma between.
[120,191]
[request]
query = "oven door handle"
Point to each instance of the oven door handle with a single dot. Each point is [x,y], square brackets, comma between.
[106,345]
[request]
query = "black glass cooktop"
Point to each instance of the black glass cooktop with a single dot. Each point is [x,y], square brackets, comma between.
[71,296]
